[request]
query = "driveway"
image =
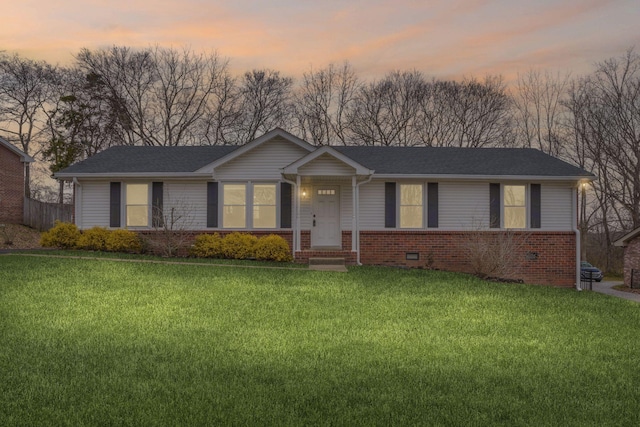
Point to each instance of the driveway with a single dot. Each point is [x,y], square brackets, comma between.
[607,288]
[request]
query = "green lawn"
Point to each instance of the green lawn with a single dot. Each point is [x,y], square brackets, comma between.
[86,342]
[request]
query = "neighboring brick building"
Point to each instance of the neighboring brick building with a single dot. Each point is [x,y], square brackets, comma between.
[12,162]
[631,244]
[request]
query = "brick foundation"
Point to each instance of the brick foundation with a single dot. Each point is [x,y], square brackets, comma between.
[11,187]
[547,258]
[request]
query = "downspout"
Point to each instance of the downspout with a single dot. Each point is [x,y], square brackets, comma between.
[357,208]
[77,213]
[354,214]
[574,220]
[296,224]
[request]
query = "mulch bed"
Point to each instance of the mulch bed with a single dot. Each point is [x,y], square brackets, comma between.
[15,236]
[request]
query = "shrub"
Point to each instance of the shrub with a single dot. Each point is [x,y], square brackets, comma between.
[238,245]
[207,246]
[94,239]
[63,235]
[123,241]
[273,248]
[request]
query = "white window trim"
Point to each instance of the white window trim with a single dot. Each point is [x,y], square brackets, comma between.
[399,204]
[123,205]
[248,205]
[527,205]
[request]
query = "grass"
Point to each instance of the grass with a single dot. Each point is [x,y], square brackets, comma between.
[86,342]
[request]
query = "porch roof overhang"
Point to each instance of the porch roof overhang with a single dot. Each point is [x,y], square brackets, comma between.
[293,169]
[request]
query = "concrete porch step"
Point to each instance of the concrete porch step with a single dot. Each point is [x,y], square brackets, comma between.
[326,261]
[327,264]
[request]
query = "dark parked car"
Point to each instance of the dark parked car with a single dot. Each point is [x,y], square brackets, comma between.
[589,271]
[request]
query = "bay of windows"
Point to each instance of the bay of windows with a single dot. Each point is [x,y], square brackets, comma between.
[258,199]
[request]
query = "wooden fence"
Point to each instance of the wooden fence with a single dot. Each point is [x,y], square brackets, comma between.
[42,216]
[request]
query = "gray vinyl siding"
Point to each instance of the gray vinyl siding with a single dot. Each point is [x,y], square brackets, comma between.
[556,209]
[346,207]
[94,211]
[189,199]
[372,205]
[326,165]
[262,163]
[463,205]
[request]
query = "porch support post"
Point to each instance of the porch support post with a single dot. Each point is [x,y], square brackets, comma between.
[354,215]
[297,200]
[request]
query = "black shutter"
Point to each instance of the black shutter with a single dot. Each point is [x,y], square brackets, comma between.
[212,204]
[432,205]
[494,205]
[114,205]
[390,204]
[536,206]
[157,217]
[285,205]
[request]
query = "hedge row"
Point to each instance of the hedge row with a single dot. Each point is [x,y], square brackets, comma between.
[242,246]
[232,246]
[67,236]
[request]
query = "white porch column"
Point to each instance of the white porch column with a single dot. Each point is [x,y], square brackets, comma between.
[297,200]
[354,213]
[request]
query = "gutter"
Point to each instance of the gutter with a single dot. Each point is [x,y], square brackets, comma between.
[487,178]
[296,224]
[76,203]
[574,195]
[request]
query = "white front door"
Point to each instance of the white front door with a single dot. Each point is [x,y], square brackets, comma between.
[325,228]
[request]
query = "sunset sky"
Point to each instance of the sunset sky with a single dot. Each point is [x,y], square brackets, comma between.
[446,39]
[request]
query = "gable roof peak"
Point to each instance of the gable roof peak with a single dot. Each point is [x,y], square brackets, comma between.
[24,157]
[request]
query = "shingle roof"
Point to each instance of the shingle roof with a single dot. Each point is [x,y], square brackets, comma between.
[384,160]
[127,159]
[461,161]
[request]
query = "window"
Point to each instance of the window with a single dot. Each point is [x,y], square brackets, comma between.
[264,206]
[410,206]
[234,197]
[515,210]
[137,205]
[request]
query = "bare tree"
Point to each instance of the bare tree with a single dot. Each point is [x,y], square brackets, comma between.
[386,112]
[265,103]
[159,95]
[223,115]
[481,111]
[25,91]
[605,118]
[322,102]
[539,110]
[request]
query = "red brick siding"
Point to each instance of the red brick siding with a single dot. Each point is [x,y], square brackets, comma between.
[11,186]
[632,260]
[554,264]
